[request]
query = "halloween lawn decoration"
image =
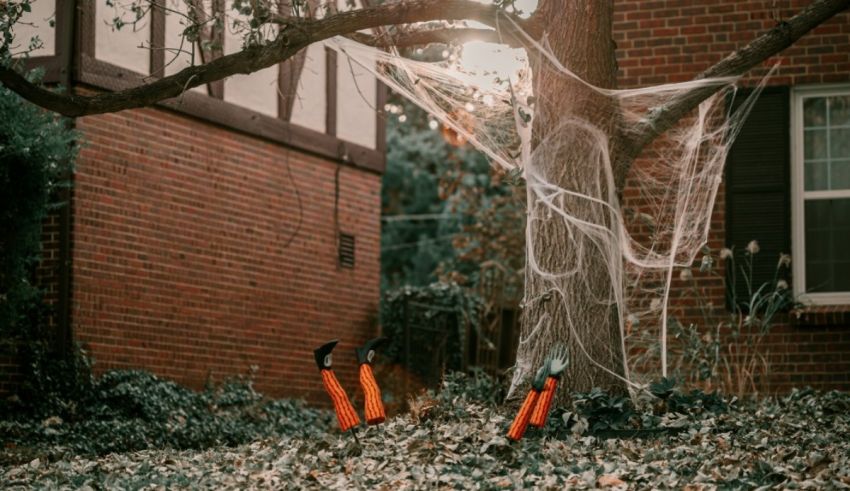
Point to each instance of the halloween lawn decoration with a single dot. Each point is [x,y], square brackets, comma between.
[374,409]
[345,413]
[535,408]
[557,364]
[520,423]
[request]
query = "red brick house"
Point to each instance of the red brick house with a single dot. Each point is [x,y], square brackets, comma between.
[787,182]
[227,231]
[204,234]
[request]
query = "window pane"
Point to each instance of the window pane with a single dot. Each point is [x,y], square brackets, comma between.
[840,175]
[814,111]
[839,110]
[839,144]
[827,250]
[815,144]
[817,176]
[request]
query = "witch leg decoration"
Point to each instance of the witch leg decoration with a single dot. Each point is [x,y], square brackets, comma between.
[345,413]
[375,413]
[520,422]
[558,361]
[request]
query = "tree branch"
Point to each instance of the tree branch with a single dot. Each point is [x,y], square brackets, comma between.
[295,34]
[783,35]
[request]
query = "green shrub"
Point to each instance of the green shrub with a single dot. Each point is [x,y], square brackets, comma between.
[604,411]
[36,151]
[474,386]
[132,410]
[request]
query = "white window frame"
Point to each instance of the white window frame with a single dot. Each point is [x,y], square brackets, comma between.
[799,195]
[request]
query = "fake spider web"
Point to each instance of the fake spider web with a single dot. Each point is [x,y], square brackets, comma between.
[673,193]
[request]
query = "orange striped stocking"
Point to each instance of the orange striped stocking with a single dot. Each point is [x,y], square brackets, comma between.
[374,405]
[521,421]
[544,403]
[345,413]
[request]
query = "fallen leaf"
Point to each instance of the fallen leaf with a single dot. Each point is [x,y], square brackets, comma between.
[609,480]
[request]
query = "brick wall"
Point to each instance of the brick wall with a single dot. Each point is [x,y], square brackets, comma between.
[190,259]
[660,41]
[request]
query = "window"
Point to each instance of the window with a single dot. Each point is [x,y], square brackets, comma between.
[820,184]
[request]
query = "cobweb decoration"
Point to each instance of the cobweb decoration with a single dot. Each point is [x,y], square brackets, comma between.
[674,189]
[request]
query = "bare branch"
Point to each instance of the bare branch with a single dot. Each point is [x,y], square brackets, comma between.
[660,119]
[295,34]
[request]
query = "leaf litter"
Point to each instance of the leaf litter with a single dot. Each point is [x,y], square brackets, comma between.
[800,441]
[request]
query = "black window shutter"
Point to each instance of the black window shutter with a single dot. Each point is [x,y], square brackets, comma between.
[758,189]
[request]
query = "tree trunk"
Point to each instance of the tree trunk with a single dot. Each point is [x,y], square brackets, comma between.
[572,125]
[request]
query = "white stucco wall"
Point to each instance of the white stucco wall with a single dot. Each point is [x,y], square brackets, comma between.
[356,94]
[179,53]
[310,105]
[37,23]
[127,47]
[257,91]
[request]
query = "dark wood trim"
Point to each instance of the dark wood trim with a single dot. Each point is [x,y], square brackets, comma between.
[66,45]
[330,91]
[289,74]
[66,18]
[86,28]
[102,75]
[216,89]
[382,92]
[157,51]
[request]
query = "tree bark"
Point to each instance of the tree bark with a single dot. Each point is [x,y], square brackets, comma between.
[569,149]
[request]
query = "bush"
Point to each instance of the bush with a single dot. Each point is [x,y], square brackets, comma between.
[132,410]
[727,349]
[36,151]
[474,386]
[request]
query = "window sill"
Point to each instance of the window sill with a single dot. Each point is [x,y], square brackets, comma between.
[821,316]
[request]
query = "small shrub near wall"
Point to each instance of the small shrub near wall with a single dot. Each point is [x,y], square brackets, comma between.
[721,347]
[36,150]
[131,410]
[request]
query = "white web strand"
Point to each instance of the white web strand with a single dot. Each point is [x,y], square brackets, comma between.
[670,194]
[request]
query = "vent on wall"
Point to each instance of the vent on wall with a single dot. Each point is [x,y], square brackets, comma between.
[346,250]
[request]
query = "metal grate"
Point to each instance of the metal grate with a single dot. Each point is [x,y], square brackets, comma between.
[346,250]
